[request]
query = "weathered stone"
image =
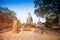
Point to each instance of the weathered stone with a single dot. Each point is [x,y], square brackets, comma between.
[5,21]
[29,20]
[15,26]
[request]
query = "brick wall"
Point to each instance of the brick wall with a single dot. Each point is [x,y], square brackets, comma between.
[5,21]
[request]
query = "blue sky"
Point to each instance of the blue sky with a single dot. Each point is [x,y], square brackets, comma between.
[22,8]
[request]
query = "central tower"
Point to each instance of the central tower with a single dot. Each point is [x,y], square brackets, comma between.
[29,19]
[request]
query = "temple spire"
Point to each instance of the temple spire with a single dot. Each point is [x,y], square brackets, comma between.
[29,19]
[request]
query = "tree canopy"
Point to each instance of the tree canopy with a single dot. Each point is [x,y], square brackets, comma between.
[49,9]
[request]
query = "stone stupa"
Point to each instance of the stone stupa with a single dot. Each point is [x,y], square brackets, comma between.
[29,19]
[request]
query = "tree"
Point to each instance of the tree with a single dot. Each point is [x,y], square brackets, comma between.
[41,8]
[49,9]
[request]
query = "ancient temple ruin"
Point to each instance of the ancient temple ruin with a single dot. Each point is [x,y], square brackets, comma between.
[29,19]
[15,26]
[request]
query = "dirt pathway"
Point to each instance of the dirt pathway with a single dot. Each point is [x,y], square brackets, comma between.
[29,35]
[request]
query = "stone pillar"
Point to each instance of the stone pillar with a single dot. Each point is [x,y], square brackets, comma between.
[15,26]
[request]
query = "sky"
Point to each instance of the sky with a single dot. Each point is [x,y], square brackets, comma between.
[21,8]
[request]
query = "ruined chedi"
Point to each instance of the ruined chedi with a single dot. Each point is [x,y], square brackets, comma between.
[29,19]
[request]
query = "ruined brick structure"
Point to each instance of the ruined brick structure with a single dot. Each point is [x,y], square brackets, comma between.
[5,21]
